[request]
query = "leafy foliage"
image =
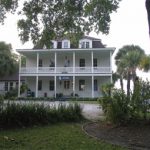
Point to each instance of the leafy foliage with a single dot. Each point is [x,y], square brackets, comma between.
[128,59]
[8,63]
[46,20]
[7,6]
[116,107]
[23,115]
[145,63]
[120,109]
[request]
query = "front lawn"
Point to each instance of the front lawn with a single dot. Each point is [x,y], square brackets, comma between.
[54,137]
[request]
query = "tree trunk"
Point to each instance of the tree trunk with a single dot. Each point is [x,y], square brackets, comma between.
[134,78]
[148,12]
[121,84]
[128,84]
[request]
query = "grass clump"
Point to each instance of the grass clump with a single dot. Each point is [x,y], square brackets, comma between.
[25,115]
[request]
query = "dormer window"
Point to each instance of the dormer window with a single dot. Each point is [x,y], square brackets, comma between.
[53,44]
[85,45]
[66,44]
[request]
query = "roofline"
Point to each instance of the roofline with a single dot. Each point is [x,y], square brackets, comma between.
[72,49]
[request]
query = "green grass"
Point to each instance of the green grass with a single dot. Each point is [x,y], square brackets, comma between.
[55,137]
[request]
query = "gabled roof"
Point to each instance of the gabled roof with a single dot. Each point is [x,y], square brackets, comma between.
[96,42]
[91,38]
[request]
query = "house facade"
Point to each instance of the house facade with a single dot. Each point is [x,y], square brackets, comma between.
[10,82]
[66,70]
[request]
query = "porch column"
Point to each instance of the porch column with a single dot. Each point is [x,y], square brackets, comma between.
[74,62]
[111,66]
[37,62]
[19,76]
[74,86]
[92,60]
[36,88]
[92,86]
[55,84]
[55,61]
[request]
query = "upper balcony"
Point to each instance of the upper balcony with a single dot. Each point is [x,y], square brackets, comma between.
[64,70]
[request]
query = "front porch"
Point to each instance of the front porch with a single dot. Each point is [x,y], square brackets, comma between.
[52,86]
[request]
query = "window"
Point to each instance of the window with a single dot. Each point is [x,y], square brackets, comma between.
[40,63]
[6,86]
[66,84]
[66,44]
[95,62]
[81,85]
[51,85]
[16,84]
[59,45]
[52,45]
[11,86]
[40,85]
[95,85]
[82,63]
[85,45]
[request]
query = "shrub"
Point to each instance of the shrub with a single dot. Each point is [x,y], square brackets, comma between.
[12,94]
[140,100]
[120,109]
[17,115]
[116,107]
[1,102]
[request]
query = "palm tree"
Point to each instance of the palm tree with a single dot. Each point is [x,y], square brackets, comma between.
[128,60]
[145,63]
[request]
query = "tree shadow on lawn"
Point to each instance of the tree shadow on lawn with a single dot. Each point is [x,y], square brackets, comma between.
[135,137]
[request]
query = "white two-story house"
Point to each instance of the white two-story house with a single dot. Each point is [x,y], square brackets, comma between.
[63,69]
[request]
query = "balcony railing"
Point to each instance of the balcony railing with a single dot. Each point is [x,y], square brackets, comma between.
[64,70]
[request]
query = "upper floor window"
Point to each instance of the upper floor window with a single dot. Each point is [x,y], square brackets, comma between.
[53,44]
[95,62]
[59,45]
[82,62]
[66,45]
[85,44]
[40,63]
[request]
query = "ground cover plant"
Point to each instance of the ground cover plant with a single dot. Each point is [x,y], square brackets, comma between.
[24,115]
[63,136]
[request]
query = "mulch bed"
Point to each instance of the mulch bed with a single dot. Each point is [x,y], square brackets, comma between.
[135,137]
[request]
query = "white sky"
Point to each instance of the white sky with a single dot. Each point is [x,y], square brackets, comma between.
[129,26]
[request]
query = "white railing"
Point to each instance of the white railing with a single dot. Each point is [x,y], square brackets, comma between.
[64,70]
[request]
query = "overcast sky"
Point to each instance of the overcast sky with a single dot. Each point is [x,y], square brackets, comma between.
[128,26]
